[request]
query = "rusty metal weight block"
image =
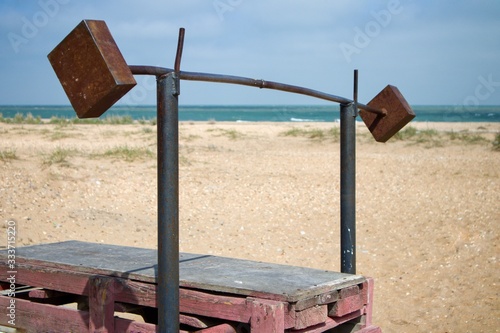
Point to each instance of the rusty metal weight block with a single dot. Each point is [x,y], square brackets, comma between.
[91,69]
[399,113]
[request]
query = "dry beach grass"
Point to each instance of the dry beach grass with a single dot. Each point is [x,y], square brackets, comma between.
[427,203]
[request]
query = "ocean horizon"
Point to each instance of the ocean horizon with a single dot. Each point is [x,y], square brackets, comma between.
[259,113]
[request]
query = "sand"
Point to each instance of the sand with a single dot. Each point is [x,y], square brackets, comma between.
[427,207]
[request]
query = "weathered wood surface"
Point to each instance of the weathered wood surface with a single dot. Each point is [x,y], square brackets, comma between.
[267,316]
[235,276]
[101,305]
[36,317]
[268,297]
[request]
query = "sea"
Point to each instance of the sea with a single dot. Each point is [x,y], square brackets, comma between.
[260,113]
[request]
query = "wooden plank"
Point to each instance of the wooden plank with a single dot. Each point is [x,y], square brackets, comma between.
[101,305]
[328,324]
[311,316]
[222,328]
[346,305]
[77,283]
[214,306]
[322,299]
[351,299]
[60,280]
[37,317]
[45,294]
[267,316]
[368,288]
[130,326]
[261,280]
[192,321]
[242,277]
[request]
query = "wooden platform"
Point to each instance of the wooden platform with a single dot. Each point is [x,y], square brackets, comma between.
[217,294]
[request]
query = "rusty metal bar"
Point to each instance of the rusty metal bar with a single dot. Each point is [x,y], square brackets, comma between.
[257,83]
[180,46]
[168,202]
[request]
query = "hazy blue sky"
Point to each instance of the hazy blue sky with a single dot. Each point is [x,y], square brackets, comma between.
[435,52]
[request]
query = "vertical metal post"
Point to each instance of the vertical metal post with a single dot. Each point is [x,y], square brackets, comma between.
[348,115]
[168,202]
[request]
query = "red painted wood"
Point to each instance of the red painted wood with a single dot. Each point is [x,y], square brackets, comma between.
[101,305]
[329,323]
[215,306]
[352,299]
[370,284]
[192,321]
[307,315]
[267,316]
[133,292]
[347,305]
[370,329]
[311,316]
[130,326]
[36,317]
[60,280]
[42,293]
[223,328]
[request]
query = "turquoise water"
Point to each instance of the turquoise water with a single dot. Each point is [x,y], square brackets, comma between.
[262,113]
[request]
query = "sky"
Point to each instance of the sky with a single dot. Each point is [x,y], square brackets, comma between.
[435,52]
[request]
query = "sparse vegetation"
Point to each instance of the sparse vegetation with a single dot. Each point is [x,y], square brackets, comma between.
[314,133]
[7,154]
[58,156]
[466,137]
[126,153]
[432,138]
[405,134]
[19,118]
[58,135]
[230,133]
[190,137]
[496,142]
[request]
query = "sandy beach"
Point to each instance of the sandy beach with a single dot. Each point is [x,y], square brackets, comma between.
[428,207]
